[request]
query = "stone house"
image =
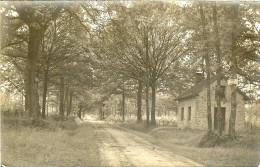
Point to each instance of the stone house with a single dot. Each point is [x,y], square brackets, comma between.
[192,105]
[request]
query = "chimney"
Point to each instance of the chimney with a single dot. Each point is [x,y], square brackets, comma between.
[198,77]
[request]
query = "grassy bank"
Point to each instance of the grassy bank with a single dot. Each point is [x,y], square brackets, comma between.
[51,143]
[243,152]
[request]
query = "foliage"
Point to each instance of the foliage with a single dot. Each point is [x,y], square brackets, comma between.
[103,48]
[253,114]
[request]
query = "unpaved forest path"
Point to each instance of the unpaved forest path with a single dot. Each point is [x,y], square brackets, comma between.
[123,148]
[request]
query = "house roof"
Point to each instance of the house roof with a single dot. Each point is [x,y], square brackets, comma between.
[195,90]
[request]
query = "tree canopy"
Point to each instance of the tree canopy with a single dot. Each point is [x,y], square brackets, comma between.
[66,54]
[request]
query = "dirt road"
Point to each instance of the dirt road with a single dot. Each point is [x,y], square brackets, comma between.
[122,148]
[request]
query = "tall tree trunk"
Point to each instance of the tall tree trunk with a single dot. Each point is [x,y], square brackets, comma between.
[26,97]
[153,122]
[147,75]
[45,87]
[123,105]
[100,112]
[58,102]
[32,95]
[47,103]
[139,101]
[206,55]
[66,100]
[147,99]
[219,69]
[61,112]
[232,119]
[80,110]
[70,103]
[37,97]
[22,95]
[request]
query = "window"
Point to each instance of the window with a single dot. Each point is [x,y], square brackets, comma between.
[182,114]
[189,113]
[222,92]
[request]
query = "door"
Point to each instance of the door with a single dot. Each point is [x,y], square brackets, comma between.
[223,112]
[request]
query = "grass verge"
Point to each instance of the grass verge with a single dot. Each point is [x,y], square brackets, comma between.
[61,143]
[243,152]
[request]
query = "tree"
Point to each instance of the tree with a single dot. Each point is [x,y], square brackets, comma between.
[36,17]
[232,118]
[206,55]
[219,69]
[138,44]
[139,101]
[35,30]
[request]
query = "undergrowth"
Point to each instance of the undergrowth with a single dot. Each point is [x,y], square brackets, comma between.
[52,123]
[249,140]
[212,139]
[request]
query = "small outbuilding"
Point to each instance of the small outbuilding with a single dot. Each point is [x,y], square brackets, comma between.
[192,105]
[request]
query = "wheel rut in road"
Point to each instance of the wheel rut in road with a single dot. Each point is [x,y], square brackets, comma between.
[112,153]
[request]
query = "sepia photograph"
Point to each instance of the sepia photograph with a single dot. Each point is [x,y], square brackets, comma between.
[142,83]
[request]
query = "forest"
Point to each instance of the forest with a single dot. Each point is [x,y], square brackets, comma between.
[126,60]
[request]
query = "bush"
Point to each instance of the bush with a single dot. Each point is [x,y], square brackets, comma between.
[212,139]
[249,140]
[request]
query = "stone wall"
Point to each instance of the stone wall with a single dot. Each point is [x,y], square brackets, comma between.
[186,123]
[240,114]
[199,109]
